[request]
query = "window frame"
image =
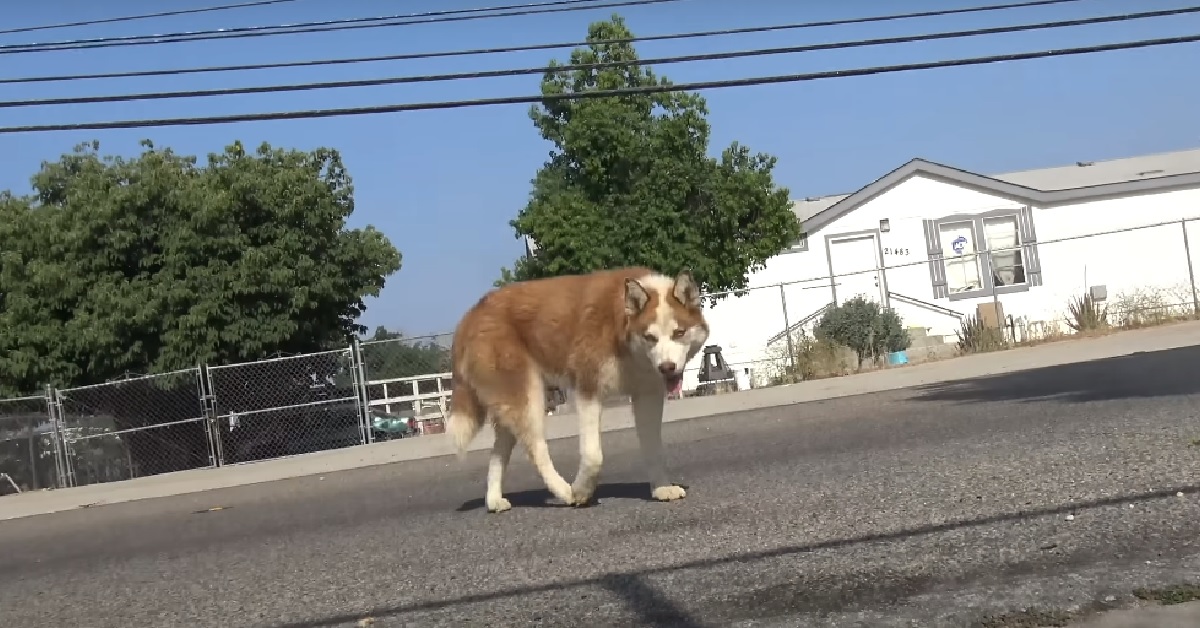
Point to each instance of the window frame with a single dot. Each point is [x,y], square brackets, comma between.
[800,245]
[1026,235]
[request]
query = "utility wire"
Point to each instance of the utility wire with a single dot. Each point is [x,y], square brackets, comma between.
[144,16]
[529,47]
[648,89]
[326,26]
[431,78]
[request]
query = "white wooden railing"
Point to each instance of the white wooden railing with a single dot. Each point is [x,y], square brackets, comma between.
[406,393]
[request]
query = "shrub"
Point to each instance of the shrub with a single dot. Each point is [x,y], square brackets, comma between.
[865,328]
[976,337]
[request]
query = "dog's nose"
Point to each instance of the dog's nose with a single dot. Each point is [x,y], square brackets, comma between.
[666,368]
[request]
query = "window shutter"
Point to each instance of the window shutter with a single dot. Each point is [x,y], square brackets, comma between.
[937,267]
[1029,249]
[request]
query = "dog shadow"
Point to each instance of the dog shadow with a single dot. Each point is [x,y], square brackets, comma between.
[542,498]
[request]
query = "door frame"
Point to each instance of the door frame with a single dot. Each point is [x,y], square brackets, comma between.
[833,238]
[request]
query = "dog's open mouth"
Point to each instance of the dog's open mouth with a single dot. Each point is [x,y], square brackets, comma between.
[673,383]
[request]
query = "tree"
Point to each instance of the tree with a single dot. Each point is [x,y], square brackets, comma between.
[630,182]
[522,269]
[154,263]
[867,329]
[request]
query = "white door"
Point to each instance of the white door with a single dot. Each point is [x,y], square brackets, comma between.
[859,255]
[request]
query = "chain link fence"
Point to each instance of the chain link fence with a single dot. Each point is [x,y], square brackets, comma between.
[29,450]
[407,384]
[134,427]
[285,406]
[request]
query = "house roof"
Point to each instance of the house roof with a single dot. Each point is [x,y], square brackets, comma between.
[1044,187]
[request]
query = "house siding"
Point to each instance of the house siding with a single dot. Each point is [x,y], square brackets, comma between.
[1067,263]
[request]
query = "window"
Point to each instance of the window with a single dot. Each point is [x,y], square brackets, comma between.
[1004,242]
[801,244]
[961,257]
[975,255]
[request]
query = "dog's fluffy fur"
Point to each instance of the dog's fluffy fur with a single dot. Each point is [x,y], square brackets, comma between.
[628,331]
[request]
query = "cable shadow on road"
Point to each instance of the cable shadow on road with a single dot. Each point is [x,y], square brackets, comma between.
[541,498]
[633,589]
[1170,372]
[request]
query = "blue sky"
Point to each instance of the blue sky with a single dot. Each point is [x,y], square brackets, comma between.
[444,184]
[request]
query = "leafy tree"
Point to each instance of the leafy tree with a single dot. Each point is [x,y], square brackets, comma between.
[867,329]
[523,268]
[630,182]
[154,263]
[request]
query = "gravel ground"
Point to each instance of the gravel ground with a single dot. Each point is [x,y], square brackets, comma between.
[984,502]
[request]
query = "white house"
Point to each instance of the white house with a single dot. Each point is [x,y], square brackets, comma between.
[917,240]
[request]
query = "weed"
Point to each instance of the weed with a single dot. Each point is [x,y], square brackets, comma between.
[1086,314]
[974,336]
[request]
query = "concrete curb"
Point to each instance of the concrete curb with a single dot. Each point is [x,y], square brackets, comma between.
[616,418]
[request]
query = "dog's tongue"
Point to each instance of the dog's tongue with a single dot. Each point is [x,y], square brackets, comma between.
[677,388]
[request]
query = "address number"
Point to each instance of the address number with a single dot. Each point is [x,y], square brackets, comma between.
[888,250]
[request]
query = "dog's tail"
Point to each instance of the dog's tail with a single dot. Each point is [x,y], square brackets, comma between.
[467,416]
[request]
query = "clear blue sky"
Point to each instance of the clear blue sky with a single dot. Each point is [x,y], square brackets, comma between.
[443,185]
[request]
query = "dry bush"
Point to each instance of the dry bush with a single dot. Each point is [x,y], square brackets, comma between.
[814,359]
[1147,307]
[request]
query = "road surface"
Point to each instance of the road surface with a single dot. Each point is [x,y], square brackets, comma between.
[1042,493]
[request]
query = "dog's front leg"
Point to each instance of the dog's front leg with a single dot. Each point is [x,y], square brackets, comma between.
[591,454]
[647,416]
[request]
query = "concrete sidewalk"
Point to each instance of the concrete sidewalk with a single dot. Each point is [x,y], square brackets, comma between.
[1175,616]
[564,425]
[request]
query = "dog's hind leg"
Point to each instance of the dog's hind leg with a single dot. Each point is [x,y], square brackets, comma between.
[501,453]
[647,416]
[528,424]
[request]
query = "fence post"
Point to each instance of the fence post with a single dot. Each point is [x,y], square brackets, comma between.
[787,331]
[67,468]
[362,400]
[212,423]
[1187,250]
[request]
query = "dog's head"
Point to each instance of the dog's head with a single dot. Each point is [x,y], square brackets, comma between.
[665,324]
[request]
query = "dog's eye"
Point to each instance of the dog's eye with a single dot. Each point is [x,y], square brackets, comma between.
[651,338]
[677,334]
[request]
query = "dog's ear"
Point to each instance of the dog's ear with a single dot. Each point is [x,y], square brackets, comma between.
[686,289]
[635,297]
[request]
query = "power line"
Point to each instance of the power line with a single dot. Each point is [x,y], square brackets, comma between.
[649,89]
[325,26]
[430,78]
[143,16]
[532,47]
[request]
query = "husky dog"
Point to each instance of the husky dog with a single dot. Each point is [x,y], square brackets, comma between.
[628,331]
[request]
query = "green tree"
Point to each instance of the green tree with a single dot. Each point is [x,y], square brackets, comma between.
[630,182]
[156,263]
[867,329]
[523,268]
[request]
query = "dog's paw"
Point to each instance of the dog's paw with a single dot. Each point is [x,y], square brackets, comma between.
[498,504]
[668,493]
[581,495]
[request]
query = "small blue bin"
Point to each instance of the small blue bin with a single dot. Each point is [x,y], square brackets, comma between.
[897,358]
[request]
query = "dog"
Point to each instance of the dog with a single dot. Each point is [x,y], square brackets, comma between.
[627,331]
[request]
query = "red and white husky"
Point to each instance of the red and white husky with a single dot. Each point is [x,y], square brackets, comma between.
[628,331]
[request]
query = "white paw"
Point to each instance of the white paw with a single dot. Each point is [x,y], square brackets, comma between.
[581,495]
[498,504]
[669,493]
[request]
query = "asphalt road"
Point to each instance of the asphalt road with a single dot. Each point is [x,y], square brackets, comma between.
[1049,490]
